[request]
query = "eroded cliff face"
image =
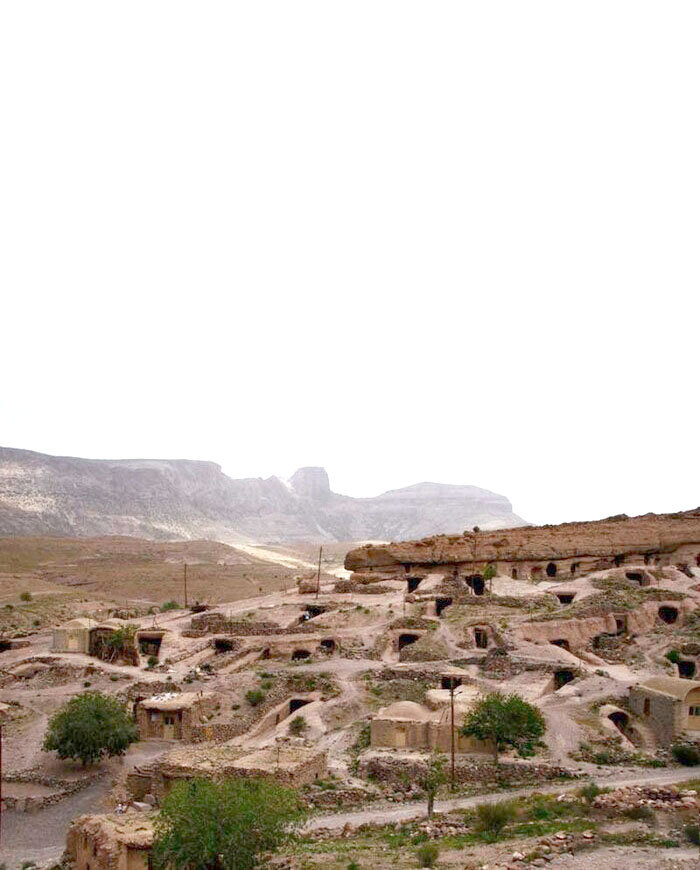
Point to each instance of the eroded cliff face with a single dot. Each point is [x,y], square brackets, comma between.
[616,536]
[170,499]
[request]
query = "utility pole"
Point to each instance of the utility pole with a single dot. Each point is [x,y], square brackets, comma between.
[318,576]
[185,583]
[452,730]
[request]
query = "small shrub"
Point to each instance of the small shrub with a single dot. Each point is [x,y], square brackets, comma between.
[673,656]
[298,726]
[152,661]
[492,818]
[26,596]
[255,697]
[687,755]
[87,683]
[169,605]
[114,677]
[639,814]
[692,834]
[589,792]
[427,854]
[353,865]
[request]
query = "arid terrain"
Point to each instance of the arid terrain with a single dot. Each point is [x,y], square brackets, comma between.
[365,661]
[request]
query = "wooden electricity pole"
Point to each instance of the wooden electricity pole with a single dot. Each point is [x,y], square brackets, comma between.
[452,729]
[318,576]
[185,583]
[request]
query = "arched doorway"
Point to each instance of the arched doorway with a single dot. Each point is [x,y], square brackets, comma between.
[668,614]
[407,639]
[551,570]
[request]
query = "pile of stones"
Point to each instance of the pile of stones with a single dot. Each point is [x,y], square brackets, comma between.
[656,797]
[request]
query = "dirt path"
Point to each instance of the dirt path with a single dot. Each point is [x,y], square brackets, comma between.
[417,810]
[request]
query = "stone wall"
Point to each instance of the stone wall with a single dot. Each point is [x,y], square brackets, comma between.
[664,716]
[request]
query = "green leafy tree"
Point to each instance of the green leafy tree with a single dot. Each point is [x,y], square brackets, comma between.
[89,726]
[506,720]
[223,825]
[434,777]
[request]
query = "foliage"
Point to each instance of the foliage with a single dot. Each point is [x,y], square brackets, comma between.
[255,697]
[507,720]
[26,596]
[225,825]
[152,661]
[298,726]
[89,726]
[121,640]
[433,778]
[685,754]
[489,573]
[639,814]
[492,818]
[590,791]
[427,854]
[169,605]
[673,656]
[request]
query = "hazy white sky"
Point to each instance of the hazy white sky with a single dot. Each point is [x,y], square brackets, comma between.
[452,241]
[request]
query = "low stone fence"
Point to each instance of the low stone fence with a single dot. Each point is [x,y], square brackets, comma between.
[401,771]
[63,789]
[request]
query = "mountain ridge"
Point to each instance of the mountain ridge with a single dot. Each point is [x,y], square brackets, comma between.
[188,498]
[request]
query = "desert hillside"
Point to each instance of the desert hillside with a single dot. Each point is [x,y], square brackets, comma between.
[184,499]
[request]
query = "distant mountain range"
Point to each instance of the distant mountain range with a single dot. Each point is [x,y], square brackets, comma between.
[185,499]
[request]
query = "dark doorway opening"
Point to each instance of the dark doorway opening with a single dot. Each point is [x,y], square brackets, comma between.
[315,610]
[561,678]
[574,567]
[327,645]
[296,704]
[481,638]
[441,604]
[300,654]
[476,584]
[697,560]
[551,570]
[562,643]
[686,669]
[413,583]
[265,653]
[514,573]
[565,597]
[5,645]
[638,577]
[668,614]
[618,560]
[149,644]
[621,624]
[224,644]
[406,639]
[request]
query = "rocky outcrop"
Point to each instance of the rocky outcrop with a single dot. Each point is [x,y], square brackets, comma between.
[171,499]
[611,539]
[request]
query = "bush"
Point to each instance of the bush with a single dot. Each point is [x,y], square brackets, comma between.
[673,656]
[687,755]
[255,697]
[26,596]
[353,865]
[590,791]
[152,661]
[639,814]
[492,818]
[427,854]
[298,726]
[692,834]
[169,605]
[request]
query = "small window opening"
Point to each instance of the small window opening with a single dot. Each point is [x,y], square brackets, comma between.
[551,570]
[406,639]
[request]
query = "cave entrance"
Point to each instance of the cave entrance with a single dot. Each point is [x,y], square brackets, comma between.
[300,654]
[574,567]
[562,643]
[149,644]
[481,638]
[265,653]
[551,570]
[621,624]
[297,703]
[314,610]
[441,604]
[667,614]
[514,573]
[413,583]
[638,577]
[5,645]
[566,597]
[686,669]
[476,584]
[327,645]
[224,644]
[407,639]
[618,559]
[561,678]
